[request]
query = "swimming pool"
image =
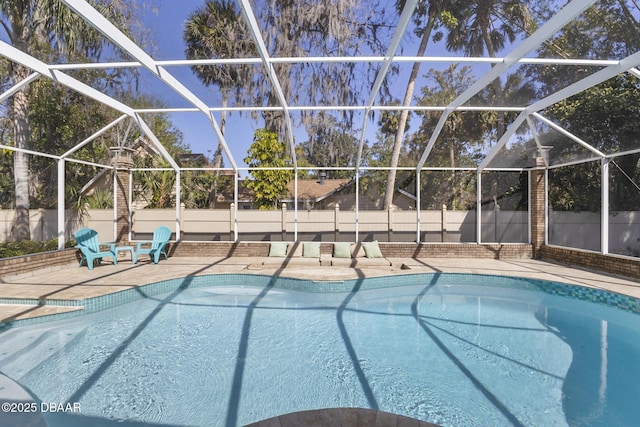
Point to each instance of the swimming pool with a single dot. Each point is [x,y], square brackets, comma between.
[457,350]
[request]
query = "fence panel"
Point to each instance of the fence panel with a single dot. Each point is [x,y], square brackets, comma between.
[258,225]
[624,233]
[147,220]
[575,229]
[500,226]
[460,226]
[340,225]
[207,224]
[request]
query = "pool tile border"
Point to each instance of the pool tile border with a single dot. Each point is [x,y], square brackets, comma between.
[91,305]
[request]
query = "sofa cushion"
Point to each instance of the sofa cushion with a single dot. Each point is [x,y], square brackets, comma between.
[360,262]
[372,262]
[279,262]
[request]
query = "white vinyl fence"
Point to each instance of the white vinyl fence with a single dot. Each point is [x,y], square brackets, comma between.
[570,229]
[257,225]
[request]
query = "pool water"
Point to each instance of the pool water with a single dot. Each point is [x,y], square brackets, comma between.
[455,355]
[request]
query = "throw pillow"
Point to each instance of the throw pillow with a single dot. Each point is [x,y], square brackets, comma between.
[342,250]
[278,249]
[311,250]
[372,250]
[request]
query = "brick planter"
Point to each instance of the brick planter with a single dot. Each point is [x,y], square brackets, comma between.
[29,263]
[614,264]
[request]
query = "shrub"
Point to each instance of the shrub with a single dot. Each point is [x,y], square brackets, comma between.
[10,249]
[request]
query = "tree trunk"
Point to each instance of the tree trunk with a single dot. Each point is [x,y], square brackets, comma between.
[217,155]
[21,132]
[404,115]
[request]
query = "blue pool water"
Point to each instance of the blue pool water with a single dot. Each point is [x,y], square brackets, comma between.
[437,350]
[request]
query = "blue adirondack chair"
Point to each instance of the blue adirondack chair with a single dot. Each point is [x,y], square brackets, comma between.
[91,249]
[161,236]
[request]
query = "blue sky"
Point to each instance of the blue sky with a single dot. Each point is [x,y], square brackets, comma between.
[165,20]
[166,23]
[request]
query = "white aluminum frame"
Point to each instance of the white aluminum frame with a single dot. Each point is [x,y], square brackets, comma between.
[517,56]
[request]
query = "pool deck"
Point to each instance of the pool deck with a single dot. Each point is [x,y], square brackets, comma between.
[71,282]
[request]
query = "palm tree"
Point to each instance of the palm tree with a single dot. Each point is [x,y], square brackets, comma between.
[215,31]
[291,29]
[48,28]
[488,25]
[431,12]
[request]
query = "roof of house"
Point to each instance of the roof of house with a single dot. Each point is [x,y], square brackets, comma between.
[309,189]
[316,190]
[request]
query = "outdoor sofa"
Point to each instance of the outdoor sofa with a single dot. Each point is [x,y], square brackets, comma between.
[316,254]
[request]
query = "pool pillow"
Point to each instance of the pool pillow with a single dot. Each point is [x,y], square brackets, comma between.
[278,249]
[311,250]
[372,250]
[342,250]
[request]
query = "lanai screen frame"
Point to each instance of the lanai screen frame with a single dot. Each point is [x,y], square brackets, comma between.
[517,56]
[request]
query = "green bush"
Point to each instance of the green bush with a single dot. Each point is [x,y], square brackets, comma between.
[10,249]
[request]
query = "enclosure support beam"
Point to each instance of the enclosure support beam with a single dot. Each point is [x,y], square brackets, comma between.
[357,202]
[115,205]
[254,28]
[18,86]
[604,214]
[569,135]
[559,20]
[130,202]
[581,85]
[503,140]
[27,60]
[103,25]
[479,206]
[235,207]
[61,203]
[157,145]
[536,137]
[405,19]
[295,207]
[418,204]
[341,59]
[178,210]
[94,136]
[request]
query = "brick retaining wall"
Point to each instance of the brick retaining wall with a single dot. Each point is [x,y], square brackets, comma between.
[29,263]
[219,249]
[455,250]
[628,267]
[391,250]
[608,263]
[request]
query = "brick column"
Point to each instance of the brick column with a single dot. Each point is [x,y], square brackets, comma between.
[537,206]
[122,216]
[123,162]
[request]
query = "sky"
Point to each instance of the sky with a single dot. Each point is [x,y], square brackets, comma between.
[167,23]
[165,19]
